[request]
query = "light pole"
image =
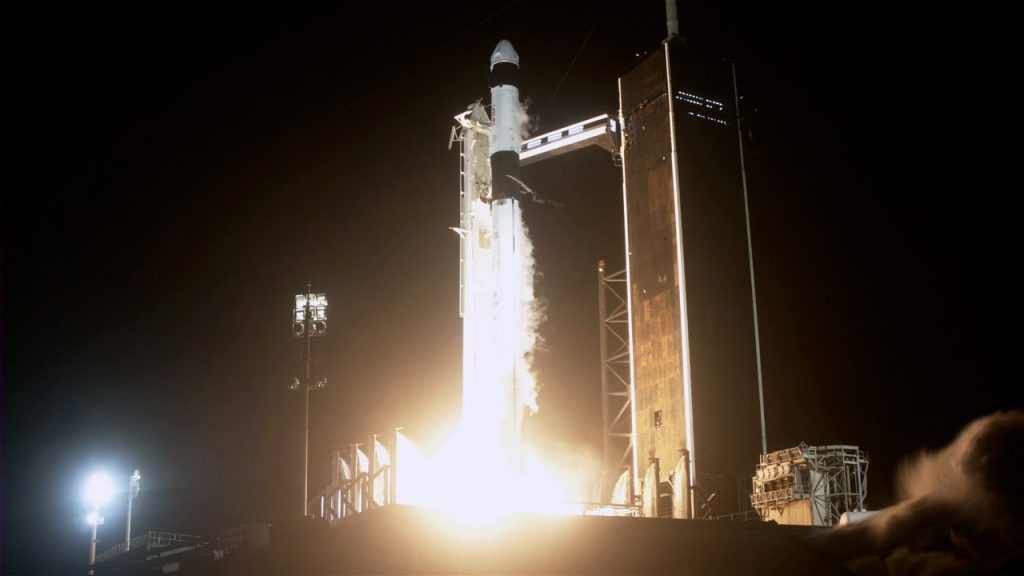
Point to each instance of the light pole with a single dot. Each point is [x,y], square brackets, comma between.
[98,491]
[134,484]
[309,320]
[750,261]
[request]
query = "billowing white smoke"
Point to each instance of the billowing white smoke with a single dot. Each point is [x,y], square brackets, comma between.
[527,123]
[532,314]
[962,509]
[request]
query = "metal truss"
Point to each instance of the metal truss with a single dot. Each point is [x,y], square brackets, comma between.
[616,376]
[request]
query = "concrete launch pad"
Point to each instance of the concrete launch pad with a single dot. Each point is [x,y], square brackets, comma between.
[406,540]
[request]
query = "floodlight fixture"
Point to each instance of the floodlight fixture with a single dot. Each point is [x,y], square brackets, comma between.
[135,483]
[309,318]
[99,489]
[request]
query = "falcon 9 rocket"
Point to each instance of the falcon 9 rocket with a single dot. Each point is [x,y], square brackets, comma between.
[496,268]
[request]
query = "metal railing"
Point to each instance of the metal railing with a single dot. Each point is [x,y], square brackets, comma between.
[149,541]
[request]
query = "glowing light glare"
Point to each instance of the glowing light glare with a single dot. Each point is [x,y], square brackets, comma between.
[620,494]
[541,491]
[380,454]
[94,518]
[472,483]
[99,489]
[483,473]
[413,479]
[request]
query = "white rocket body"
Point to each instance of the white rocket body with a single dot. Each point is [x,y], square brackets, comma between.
[507,221]
[493,270]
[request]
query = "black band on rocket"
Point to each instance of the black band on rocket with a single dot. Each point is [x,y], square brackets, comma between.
[503,165]
[502,74]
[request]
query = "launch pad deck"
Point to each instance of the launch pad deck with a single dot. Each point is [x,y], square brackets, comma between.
[406,540]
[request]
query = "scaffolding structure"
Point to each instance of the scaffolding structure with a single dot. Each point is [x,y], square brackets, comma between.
[616,383]
[810,485]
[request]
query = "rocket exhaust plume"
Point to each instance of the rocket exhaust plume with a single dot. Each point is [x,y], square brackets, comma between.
[962,509]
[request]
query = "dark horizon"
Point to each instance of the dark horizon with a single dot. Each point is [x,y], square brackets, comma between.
[172,179]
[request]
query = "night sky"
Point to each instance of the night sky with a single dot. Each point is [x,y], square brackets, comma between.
[172,177]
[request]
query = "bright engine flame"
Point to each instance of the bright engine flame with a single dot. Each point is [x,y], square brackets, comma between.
[471,482]
[483,473]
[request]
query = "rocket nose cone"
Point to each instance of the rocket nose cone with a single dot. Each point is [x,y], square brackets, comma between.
[504,52]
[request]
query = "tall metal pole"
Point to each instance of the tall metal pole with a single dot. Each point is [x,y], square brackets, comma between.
[750,257]
[92,541]
[128,526]
[602,311]
[672,18]
[690,500]
[133,489]
[305,456]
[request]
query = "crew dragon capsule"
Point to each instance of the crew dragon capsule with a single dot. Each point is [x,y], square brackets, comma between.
[506,139]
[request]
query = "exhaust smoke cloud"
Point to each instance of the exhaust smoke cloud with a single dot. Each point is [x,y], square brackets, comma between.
[961,509]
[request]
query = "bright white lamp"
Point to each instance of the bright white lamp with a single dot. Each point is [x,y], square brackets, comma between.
[99,489]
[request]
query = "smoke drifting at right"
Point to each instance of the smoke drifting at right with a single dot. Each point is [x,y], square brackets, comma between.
[961,509]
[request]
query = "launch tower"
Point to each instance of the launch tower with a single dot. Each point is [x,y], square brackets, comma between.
[695,395]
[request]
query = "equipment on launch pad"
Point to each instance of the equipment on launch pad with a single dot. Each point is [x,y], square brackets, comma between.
[810,485]
[364,480]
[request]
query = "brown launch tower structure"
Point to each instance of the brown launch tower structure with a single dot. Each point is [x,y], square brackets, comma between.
[695,403]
